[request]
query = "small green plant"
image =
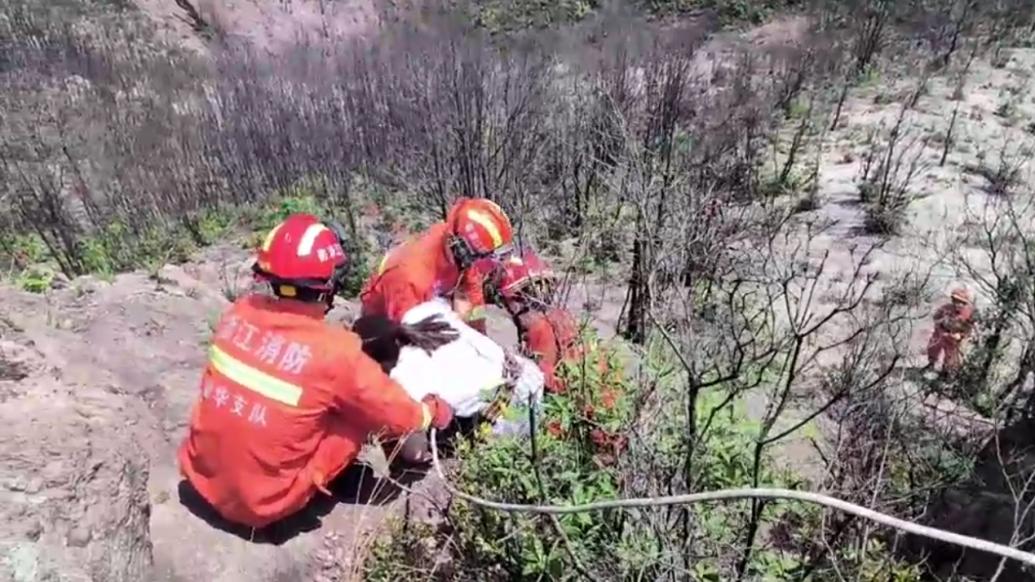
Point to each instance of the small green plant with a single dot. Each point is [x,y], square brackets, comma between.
[361,259]
[35,279]
[870,77]
[499,16]
[98,254]
[877,562]
[21,251]
[281,207]
[798,109]
[213,224]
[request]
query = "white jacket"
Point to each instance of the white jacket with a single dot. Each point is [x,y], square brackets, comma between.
[466,372]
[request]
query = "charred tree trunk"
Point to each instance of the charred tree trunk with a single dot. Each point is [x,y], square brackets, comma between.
[636,324]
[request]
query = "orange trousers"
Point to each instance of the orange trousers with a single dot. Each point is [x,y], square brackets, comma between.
[944,345]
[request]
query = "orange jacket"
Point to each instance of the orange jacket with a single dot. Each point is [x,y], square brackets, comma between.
[550,337]
[420,270]
[286,402]
[954,322]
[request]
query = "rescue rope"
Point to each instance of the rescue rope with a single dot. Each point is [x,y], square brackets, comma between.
[735,494]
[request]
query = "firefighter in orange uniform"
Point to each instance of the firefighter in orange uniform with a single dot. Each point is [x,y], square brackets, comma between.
[953,323]
[287,399]
[438,263]
[523,287]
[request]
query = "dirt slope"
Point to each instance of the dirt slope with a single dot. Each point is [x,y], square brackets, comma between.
[950,199]
[73,497]
[96,382]
[97,378]
[943,227]
[267,24]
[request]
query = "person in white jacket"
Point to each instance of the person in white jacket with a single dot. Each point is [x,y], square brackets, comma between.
[478,378]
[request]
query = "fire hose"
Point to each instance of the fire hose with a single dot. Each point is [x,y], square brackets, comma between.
[737,494]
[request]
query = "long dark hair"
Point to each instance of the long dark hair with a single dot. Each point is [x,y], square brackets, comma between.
[383,338]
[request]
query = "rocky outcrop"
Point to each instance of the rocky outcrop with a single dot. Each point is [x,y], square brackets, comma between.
[73,485]
[97,379]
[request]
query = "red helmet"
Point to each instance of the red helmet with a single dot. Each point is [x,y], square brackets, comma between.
[304,252]
[520,271]
[480,228]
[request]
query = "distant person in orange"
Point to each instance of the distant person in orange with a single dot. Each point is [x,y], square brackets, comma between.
[953,323]
[524,287]
[438,263]
[286,399]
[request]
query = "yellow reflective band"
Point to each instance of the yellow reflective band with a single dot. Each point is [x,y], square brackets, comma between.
[486,222]
[475,314]
[381,267]
[253,379]
[425,416]
[305,246]
[269,237]
[485,430]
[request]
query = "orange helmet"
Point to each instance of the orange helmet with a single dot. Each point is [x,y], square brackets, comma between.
[520,271]
[961,294]
[303,252]
[479,229]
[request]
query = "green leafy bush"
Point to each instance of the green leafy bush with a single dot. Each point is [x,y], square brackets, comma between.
[730,11]
[212,225]
[511,15]
[284,206]
[35,279]
[21,251]
[117,248]
[584,451]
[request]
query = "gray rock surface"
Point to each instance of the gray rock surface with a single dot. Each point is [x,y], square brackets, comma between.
[73,484]
[97,380]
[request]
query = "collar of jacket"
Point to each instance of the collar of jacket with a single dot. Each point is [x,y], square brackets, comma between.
[314,310]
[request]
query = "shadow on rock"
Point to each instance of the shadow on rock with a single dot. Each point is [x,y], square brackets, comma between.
[993,504]
[356,486]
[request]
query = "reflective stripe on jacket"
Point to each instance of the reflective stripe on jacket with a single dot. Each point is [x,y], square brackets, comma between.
[286,401]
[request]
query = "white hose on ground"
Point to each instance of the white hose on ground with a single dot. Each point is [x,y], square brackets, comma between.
[747,493]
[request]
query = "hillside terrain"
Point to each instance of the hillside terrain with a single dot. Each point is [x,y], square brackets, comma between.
[758,218]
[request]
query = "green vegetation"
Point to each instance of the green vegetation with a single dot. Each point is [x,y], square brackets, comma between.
[656,178]
[729,11]
[499,16]
[516,15]
[589,446]
[35,279]
[27,260]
